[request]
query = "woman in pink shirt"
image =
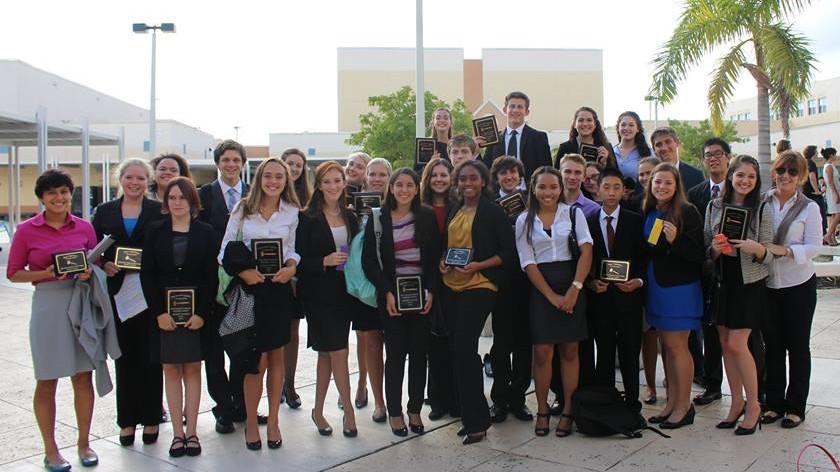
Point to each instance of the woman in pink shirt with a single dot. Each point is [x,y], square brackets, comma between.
[56,351]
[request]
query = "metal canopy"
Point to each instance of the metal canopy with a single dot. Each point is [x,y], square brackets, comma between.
[18,131]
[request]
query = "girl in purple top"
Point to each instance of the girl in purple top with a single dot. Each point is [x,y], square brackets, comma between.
[56,351]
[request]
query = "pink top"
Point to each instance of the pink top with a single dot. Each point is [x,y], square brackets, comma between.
[35,242]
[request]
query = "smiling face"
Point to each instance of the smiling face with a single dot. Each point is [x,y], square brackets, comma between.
[716,159]
[134,181]
[441,180]
[470,183]
[627,128]
[572,175]
[584,124]
[667,148]
[442,121]
[744,179]
[590,180]
[548,191]
[516,110]
[509,179]
[179,206]
[230,165]
[644,173]
[663,186]
[166,170]
[459,154]
[273,180]
[295,164]
[355,170]
[377,178]
[404,190]
[57,200]
[332,185]
[786,177]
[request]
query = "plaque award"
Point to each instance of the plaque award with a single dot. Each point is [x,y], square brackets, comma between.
[733,222]
[458,256]
[486,128]
[613,270]
[590,153]
[424,149]
[268,253]
[363,202]
[409,293]
[69,262]
[513,204]
[180,304]
[128,258]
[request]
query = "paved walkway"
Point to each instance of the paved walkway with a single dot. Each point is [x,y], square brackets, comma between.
[510,446]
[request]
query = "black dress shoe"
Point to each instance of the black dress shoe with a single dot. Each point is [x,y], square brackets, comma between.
[791,421]
[150,438]
[473,438]
[294,401]
[497,414]
[742,431]
[461,432]
[416,428]
[556,408]
[656,419]
[685,421]
[730,424]
[522,413]
[126,440]
[708,396]
[488,366]
[770,417]
[435,415]
[224,426]
[262,420]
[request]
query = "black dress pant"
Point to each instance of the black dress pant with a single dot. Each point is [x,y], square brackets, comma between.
[225,392]
[510,354]
[466,313]
[405,336]
[441,387]
[787,330]
[695,348]
[618,330]
[139,380]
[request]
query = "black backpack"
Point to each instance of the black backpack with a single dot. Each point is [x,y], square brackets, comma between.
[600,410]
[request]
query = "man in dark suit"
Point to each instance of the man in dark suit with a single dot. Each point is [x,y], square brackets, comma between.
[614,308]
[666,145]
[218,198]
[518,139]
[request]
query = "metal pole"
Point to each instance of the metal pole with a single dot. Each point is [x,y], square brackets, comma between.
[12,184]
[106,177]
[41,120]
[420,123]
[85,169]
[656,114]
[121,145]
[152,137]
[17,185]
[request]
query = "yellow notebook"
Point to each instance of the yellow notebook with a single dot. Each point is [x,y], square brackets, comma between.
[655,231]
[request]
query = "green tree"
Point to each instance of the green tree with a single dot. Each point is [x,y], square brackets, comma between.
[750,30]
[692,138]
[388,130]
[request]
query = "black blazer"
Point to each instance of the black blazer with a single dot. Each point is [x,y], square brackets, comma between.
[491,236]
[108,219]
[427,238]
[573,147]
[533,149]
[680,263]
[628,245]
[313,242]
[699,196]
[691,176]
[214,207]
[200,267]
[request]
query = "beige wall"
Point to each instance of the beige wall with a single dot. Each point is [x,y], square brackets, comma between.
[29,173]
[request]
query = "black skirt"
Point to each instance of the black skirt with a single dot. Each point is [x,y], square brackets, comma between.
[180,346]
[548,324]
[744,303]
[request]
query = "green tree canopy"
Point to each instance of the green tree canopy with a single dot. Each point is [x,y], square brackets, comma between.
[692,138]
[388,130]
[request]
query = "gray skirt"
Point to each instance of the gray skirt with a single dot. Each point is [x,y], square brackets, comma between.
[56,351]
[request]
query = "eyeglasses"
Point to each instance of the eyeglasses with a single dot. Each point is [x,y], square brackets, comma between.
[716,154]
[793,172]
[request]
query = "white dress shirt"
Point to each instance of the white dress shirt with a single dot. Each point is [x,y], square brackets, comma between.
[518,140]
[554,248]
[602,218]
[804,237]
[237,190]
[282,224]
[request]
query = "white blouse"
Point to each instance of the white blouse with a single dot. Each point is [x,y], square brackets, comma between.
[554,248]
[282,224]
[804,237]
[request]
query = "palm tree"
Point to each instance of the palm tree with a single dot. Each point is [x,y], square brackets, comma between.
[753,30]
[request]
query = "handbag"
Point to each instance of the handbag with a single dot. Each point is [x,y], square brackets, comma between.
[574,248]
[355,281]
[237,327]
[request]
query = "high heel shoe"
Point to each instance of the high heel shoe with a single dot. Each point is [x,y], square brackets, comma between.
[416,428]
[62,466]
[348,433]
[731,424]
[563,432]
[656,419]
[127,439]
[401,432]
[193,446]
[473,438]
[274,443]
[322,431]
[292,400]
[253,445]
[361,403]
[742,431]
[542,431]
[150,438]
[686,420]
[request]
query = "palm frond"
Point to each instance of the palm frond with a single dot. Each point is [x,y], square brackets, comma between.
[723,83]
[780,8]
[788,61]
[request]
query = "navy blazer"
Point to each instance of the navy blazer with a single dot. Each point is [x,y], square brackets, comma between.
[691,176]
[214,209]
[108,219]
[534,151]
[681,262]
[699,196]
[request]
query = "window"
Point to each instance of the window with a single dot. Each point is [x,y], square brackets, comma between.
[748,115]
[822,105]
[812,106]
[310,151]
[800,109]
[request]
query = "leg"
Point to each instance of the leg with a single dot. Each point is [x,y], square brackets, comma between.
[83,403]
[290,357]
[695,347]
[733,374]
[501,350]
[173,373]
[737,344]
[712,362]
[361,358]
[396,344]
[276,370]
[220,388]
[775,362]
[606,339]
[44,406]
[543,356]
[376,368]
[252,389]
[629,343]
[569,365]
[192,395]
[418,342]
[650,351]
[680,366]
[322,383]
[797,316]
[341,374]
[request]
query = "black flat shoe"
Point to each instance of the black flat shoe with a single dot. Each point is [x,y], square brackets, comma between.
[322,431]
[522,413]
[435,415]
[656,419]
[686,420]
[150,438]
[542,431]
[127,440]
[178,447]
[730,424]
[651,400]
[348,433]
[193,446]
[252,446]
[770,417]
[474,438]
[791,421]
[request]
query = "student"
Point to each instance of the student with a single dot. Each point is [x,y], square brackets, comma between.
[179,252]
[673,292]
[409,245]
[590,181]
[354,170]
[270,211]
[646,166]
[586,129]
[518,139]
[56,349]
[832,195]
[324,227]
[469,292]
[218,198]
[632,146]
[573,168]
[462,148]
[615,307]
[440,128]
[166,167]
[557,309]
[666,145]
[815,186]
[743,269]
[139,380]
[436,191]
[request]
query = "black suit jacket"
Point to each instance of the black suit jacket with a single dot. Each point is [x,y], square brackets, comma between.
[573,147]
[426,237]
[200,267]
[628,245]
[108,219]
[691,176]
[214,209]
[314,241]
[533,150]
[699,196]
[680,263]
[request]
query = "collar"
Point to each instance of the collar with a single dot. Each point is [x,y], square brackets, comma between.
[614,214]
[40,220]
[518,130]
[225,187]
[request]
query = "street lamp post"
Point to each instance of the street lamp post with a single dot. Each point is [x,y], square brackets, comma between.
[655,100]
[143,28]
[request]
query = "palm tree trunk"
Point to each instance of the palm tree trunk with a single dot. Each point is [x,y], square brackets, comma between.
[763,114]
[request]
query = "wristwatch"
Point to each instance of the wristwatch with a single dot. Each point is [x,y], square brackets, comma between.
[577,284]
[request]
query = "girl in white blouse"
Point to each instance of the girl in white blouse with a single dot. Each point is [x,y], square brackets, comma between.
[558,306]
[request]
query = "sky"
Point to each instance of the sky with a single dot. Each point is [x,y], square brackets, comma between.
[271,66]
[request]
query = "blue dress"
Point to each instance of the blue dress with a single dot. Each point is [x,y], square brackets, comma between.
[676,308]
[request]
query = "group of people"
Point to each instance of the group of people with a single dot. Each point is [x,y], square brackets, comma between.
[609,250]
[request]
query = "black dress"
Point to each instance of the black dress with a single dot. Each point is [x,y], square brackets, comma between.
[744,304]
[182,345]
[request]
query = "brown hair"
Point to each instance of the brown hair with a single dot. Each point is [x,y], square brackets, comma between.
[461,140]
[317,201]
[503,163]
[782,145]
[251,203]
[183,167]
[426,193]
[187,188]
[663,130]
[673,212]
[432,132]
[793,159]
[520,95]
[228,145]
[301,185]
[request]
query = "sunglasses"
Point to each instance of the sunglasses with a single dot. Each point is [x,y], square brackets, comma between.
[793,172]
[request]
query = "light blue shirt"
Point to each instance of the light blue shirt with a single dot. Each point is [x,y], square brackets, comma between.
[629,166]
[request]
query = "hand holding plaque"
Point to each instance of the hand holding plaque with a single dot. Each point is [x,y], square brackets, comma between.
[424,149]
[458,256]
[268,254]
[733,222]
[69,263]
[513,204]
[180,304]
[614,270]
[409,293]
[487,128]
